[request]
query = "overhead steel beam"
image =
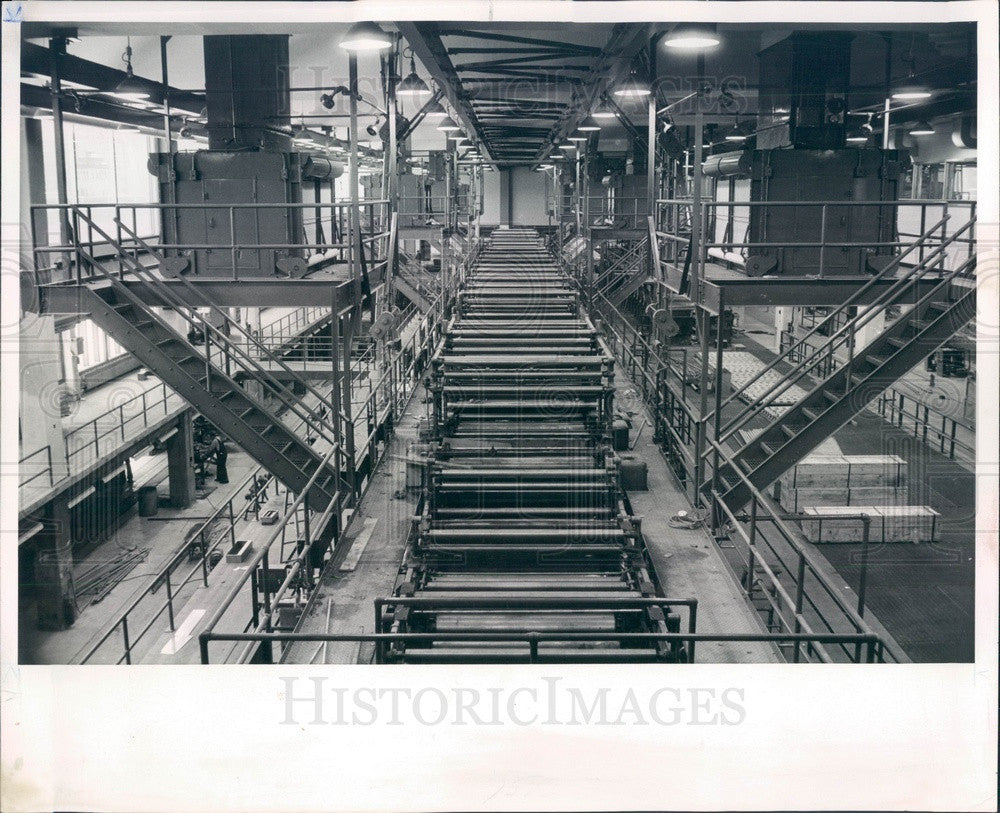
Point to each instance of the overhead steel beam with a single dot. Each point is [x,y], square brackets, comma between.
[626,40]
[483,35]
[524,51]
[528,72]
[36,59]
[39,98]
[520,60]
[222,292]
[425,41]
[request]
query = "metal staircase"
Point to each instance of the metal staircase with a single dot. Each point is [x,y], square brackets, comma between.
[625,275]
[205,376]
[939,303]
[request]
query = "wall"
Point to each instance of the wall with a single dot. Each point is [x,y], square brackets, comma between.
[527,197]
[491,198]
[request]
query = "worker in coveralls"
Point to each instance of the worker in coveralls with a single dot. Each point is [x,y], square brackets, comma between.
[218,449]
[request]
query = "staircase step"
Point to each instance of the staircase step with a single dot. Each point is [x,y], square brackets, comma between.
[896,342]
[789,431]
[941,305]
[832,397]
[811,414]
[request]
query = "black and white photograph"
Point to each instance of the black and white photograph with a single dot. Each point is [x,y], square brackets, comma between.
[540,405]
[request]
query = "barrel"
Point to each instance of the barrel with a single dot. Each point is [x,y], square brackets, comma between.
[634,474]
[149,501]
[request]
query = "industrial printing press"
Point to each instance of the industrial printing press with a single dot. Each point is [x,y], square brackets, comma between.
[524,547]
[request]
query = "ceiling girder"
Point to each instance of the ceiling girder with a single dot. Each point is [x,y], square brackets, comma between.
[425,41]
[484,35]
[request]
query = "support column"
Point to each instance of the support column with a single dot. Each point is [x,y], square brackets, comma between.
[783,321]
[54,590]
[180,463]
[34,225]
[869,332]
[41,397]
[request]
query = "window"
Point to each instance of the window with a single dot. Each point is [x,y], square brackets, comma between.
[91,346]
[102,166]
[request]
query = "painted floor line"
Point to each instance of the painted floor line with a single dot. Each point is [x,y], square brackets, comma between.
[360,542]
[183,633]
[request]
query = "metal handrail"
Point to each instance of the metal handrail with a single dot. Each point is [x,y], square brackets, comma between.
[147,278]
[226,341]
[830,319]
[872,643]
[119,427]
[845,333]
[790,537]
[792,540]
[633,253]
[803,369]
[47,448]
[163,575]
[252,565]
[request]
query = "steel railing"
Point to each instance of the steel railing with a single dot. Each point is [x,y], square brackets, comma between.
[843,336]
[223,344]
[805,588]
[84,214]
[668,211]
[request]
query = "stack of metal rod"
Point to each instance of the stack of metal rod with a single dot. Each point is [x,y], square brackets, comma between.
[524,548]
[101,578]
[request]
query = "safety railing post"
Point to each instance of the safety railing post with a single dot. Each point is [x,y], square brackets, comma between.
[204,556]
[752,550]
[822,240]
[799,595]
[125,641]
[170,601]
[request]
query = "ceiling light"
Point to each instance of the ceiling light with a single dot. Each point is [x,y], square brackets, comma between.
[365,36]
[589,125]
[735,135]
[911,91]
[604,111]
[857,136]
[448,123]
[692,37]
[922,128]
[412,85]
[632,88]
[567,146]
[578,136]
[436,110]
[129,88]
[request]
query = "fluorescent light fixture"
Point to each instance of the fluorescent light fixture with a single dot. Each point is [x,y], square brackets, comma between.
[567,146]
[365,36]
[922,128]
[447,124]
[589,125]
[857,136]
[692,37]
[578,136]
